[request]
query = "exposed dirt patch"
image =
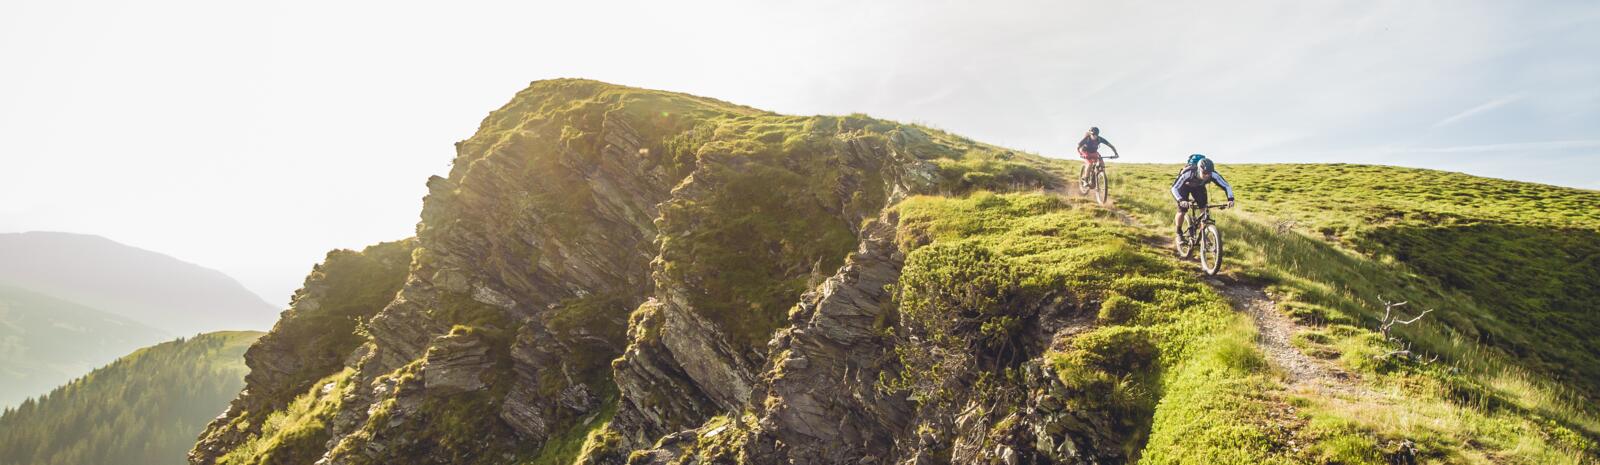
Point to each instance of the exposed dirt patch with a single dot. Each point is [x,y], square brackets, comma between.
[1275,331]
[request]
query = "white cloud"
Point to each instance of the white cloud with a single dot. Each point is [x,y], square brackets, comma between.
[1486,106]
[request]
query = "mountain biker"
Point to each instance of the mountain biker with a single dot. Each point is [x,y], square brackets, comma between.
[1089,151]
[1191,185]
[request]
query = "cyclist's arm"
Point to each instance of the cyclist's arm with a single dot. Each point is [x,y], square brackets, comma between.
[1108,144]
[1184,176]
[1217,178]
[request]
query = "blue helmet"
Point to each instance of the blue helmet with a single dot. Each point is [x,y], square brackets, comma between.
[1196,158]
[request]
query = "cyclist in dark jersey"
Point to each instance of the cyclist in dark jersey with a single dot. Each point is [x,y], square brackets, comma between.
[1191,186]
[1089,151]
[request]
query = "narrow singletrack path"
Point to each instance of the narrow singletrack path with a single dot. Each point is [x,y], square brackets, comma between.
[1274,333]
[1275,330]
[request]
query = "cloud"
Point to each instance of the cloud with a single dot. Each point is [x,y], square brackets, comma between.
[1486,106]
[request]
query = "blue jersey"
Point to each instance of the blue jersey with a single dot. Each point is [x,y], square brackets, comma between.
[1190,179]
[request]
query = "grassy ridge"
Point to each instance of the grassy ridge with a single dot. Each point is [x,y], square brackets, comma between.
[1167,363]
[1483,401]
[1519,252]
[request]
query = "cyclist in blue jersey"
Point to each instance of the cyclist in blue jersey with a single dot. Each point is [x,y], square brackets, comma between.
[1190,187]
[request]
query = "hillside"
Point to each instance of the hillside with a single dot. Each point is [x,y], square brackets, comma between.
[1514,263]
[45,342]
[1504,266]
[615,275]
[145,408]
[148,287]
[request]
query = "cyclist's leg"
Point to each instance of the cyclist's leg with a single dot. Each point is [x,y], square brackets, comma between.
[1089,160]
[1183,194]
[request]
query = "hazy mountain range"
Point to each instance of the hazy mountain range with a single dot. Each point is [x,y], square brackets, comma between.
[73,302]
[155,289]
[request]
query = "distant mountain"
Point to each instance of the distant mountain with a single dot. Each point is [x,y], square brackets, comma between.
[148,287]
[45,342]
[145,408]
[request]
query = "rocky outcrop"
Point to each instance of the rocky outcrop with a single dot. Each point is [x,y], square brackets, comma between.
[313,339]
[823,403]
[596,247]
[684,341]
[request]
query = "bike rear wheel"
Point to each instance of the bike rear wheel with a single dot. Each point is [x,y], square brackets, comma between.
[1101,186]
[1210,249]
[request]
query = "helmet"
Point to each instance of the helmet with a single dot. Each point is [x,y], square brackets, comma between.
[1205,165]
[1094,130]
[1196,158]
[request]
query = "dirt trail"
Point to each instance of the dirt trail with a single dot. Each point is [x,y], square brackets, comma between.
[1275,330]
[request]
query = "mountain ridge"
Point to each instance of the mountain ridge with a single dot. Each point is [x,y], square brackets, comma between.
[45,342]
[617,275]
[147,286]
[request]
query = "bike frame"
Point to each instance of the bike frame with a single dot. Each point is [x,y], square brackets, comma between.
[1199,216]
[1192,239]
[1091,175]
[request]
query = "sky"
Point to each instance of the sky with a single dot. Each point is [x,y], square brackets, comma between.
[253,137]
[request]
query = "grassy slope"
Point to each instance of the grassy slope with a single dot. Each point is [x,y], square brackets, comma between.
[1362,232]
[1520,250]
[1167,360]
[146,408]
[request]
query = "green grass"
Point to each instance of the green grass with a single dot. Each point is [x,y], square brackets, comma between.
[296,434]
[1170,369]
[586,438]
[1493,396]
[1502,260]
[763,206]
[778,216]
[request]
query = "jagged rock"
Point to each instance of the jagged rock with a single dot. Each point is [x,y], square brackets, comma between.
[311,340]
[456,363]
[657,395]
[523,411]
[823,405]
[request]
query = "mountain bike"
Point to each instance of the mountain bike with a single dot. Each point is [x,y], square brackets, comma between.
[1095,180]
[1202,231]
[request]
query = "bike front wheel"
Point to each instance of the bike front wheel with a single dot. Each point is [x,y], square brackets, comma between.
[1210,249]
[1101,187]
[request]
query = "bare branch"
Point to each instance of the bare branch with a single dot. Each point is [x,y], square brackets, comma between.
[1414,320]
[1386,325]
[1403,353]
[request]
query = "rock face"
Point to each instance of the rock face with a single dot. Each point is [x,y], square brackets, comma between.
[824,405]
[600,249]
